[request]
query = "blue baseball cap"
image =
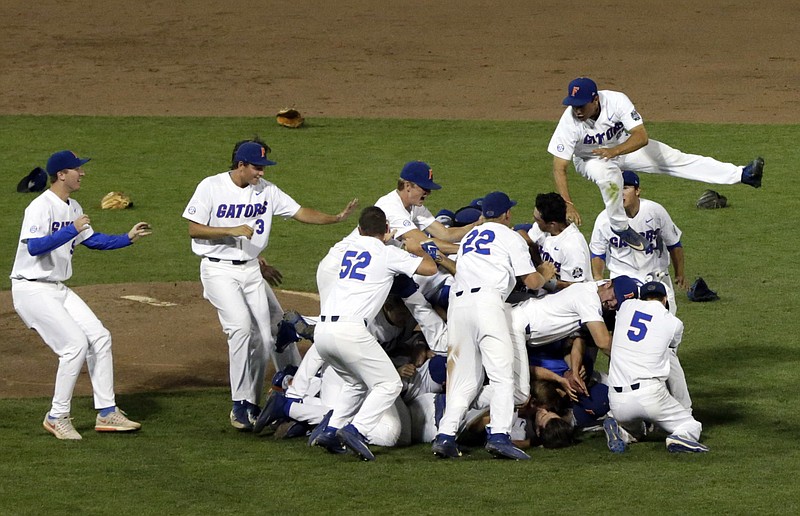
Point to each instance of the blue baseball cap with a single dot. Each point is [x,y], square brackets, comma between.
[33,182]
[419,173]
[476,203]
[466,216]
[652,289]
[253,153]
[625,288]
[630,178]
[495,204]
[63,160]
[580,92]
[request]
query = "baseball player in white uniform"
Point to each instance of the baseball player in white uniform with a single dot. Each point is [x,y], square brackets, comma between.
[603,134]
[560,241]
[408,218]
[644,336]
[54,224]
[371,382]
[652,221]
[230,217]
[490,259]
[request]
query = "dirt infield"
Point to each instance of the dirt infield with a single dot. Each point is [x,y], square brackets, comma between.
[356,58]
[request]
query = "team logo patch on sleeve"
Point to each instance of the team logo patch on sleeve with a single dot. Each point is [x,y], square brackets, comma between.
[560,147]
[635,115]
[406,222]
[577,272]
[34,229]
[191,210]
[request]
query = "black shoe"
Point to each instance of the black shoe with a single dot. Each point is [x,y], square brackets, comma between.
[752,173]
[445,446]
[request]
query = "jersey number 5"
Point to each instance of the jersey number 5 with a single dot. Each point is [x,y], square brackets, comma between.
[638,328]
[477,241]
[352,264]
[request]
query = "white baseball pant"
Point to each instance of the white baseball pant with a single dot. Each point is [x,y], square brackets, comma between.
[653,403]
[70,328]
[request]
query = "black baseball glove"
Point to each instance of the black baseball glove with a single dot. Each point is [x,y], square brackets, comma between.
[711,200]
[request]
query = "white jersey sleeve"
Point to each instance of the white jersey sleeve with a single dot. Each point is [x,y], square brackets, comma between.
[44,216]
[219,202]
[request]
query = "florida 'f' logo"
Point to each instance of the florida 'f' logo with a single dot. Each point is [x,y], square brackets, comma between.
[263,152]
[575,90]
[430,174]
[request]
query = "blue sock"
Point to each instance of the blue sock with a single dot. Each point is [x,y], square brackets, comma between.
[108,410]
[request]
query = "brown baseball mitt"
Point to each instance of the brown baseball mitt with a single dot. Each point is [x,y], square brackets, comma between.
[116,201]
[290,117]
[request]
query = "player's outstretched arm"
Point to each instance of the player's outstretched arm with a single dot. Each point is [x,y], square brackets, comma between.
[598,268]
[676,256]
[312,216]
[451,234]
[560,166]
[428,267]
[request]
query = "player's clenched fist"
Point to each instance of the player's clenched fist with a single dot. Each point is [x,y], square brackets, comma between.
[547,270]
[82,223]
[243,230]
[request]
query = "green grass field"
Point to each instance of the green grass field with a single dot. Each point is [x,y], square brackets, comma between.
[740,353]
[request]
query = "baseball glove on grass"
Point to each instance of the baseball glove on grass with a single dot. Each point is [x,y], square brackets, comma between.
[290,117]
[116,201]
[711,200]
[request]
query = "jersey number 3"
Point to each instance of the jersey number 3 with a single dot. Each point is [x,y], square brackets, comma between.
[477,241]
[638,328]
[352,264]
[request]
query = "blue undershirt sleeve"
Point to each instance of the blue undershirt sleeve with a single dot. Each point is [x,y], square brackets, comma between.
[45,244]
[106,242]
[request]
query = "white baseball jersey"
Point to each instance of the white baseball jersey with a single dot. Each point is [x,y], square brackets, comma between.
[491,256]
[621,259]
[489,260]
[567,251]
[219,202]
[558,315]
[44,216]
[366,274]
[644,332]
[400,220]
[573,137]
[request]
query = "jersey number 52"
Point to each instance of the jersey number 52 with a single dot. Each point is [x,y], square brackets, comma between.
[352,263]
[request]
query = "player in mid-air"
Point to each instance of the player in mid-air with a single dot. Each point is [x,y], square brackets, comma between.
[54,224]
[490,260]
[603,134]
[230,217]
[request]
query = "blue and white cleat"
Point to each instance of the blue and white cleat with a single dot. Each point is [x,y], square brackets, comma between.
[615,442]
[500,446]
[273,412]
[445,446]
[352,438]
[317,431]
[634,240]
[677,444]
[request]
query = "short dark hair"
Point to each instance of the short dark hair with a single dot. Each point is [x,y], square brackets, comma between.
[257,139]
[545,394]
[552,207]
[557,433]
[372,221]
